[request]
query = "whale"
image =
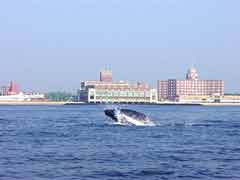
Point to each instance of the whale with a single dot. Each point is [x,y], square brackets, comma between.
[128,117]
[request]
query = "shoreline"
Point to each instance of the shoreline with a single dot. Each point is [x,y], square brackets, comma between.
[220,104]
[53,103]
[62,103]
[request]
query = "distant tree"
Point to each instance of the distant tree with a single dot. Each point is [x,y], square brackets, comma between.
[232,94]
[60,96]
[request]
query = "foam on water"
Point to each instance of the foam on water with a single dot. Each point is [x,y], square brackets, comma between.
[126,120]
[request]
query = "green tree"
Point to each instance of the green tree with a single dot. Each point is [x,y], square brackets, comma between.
[60,96]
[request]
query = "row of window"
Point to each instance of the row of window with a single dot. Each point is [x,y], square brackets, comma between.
[122,94]
[196,89]
[218,84]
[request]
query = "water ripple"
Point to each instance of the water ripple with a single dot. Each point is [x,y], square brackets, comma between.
[78,142]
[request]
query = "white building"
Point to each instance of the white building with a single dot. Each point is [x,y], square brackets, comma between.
[116,92]
[21,97]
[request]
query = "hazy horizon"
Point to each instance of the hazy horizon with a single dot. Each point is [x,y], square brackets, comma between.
[53,45]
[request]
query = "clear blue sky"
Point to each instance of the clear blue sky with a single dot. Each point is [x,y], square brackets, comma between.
[53,44]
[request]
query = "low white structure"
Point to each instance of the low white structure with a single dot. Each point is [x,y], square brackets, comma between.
[21,97]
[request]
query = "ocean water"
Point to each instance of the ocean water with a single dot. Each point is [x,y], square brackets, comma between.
[80,143]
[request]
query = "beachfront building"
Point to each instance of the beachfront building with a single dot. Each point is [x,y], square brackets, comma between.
[116,92]
[191,89]
[4,91]
[12,93]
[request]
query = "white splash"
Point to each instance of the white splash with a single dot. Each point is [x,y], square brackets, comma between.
[126,120]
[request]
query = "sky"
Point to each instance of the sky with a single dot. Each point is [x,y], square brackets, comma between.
[48,45]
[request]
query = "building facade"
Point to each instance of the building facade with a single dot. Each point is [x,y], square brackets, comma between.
[13,88]
[4,91]
[176,90]
[106,76]
[116,92]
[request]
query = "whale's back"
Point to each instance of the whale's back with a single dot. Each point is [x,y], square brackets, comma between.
[134,114]
[128,116]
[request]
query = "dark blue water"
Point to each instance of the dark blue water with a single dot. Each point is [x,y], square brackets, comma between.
[78,142]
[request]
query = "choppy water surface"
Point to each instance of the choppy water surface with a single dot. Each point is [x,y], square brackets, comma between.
[78,142]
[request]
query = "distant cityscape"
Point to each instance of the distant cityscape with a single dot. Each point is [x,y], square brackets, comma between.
[106,90]
[190,90]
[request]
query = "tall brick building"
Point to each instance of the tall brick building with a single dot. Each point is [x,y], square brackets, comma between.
[173,89]
[106,76]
